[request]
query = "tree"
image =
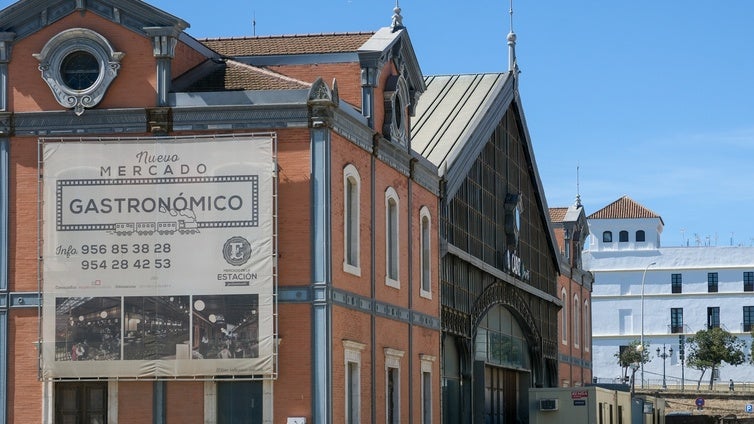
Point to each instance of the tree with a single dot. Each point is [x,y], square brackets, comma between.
[632,356]
[710,348]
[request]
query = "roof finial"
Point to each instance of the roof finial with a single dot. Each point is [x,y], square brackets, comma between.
[578,193]
[397,22]
[512,65]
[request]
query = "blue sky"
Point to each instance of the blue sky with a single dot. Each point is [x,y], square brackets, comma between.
[650,99]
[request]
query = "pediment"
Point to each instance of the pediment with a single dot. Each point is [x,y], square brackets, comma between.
[26,17]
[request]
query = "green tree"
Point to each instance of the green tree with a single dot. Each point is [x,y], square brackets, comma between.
[632,356]
[710,348]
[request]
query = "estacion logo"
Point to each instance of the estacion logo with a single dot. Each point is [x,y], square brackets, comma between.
[237,251]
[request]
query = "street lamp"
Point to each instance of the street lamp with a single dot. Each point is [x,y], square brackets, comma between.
[641,340]
[664,356]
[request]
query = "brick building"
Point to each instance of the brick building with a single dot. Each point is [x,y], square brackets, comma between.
[307,293]
[575,288]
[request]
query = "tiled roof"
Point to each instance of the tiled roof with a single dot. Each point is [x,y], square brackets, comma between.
[558,214]
[624,208]
[288,44]
[232,75]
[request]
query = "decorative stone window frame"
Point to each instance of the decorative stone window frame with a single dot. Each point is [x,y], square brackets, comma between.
[350,173]
[352,355]
[392,241]
[425,253]
[78,40]
[396,97]
[427,363]
[393,362]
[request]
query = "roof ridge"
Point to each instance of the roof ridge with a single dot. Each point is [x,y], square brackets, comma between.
[257,37]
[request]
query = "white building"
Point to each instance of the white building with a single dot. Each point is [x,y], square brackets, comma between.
[643,290]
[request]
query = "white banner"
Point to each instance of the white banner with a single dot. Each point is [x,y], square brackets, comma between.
[158,257]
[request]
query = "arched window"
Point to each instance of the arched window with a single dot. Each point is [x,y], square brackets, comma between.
[426,252]
[564,317]
[587,326]
[351,210]
[607,237]
[623,236]
[391,238]
[640,236]
[576,321]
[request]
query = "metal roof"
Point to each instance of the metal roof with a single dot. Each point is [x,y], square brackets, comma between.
[449,113]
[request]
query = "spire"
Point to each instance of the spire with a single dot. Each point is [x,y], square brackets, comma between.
[512,65]
[578,191]
[397,22]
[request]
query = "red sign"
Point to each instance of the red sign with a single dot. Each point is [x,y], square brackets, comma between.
[580,394]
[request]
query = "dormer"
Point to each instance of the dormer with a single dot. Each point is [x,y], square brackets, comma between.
[624,225]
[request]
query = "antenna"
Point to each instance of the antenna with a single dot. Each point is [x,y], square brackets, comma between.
[254,24]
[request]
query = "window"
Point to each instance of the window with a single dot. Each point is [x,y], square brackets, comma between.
[351,222]
[81,402]
[391,238]
[426,253]
[576,321]
[587,324]
[426,382]
[79,65]
[676,283]
[712,282]
[676,320]
[393,385]
[713,317]
[640,236]
[748,281]
[623,236]
[352,352]
[564,317]
[607,237]
[748,317]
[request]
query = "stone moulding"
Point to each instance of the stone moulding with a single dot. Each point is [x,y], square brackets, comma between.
[73,40]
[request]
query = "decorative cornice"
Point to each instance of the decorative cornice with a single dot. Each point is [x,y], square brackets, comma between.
[96,121]
[396,156]
[239,117]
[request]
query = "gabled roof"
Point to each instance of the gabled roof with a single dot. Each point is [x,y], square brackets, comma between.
[29,16]
[455,118]
[624,208]
[453,110]
[288,44]
[230,75]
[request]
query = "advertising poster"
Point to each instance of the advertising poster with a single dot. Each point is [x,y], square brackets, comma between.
[157,257]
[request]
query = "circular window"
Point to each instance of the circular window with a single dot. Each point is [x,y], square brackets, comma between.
[79,70]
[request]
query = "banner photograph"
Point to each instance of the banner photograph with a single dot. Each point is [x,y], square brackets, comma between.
[157,257]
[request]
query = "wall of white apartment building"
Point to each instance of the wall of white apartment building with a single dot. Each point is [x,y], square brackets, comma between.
[617,312]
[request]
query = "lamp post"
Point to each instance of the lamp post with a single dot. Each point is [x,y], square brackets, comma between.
[641,339]
[664,356]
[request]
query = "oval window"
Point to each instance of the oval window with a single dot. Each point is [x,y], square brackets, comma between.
[80,70]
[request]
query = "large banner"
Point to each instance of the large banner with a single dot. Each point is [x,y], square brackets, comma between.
[158,257]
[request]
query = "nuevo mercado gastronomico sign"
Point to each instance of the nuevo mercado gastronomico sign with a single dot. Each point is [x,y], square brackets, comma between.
[157,257]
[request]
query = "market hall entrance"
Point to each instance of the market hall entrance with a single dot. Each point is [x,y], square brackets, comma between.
[502,369]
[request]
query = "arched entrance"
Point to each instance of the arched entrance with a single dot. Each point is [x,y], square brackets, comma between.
[502,368]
